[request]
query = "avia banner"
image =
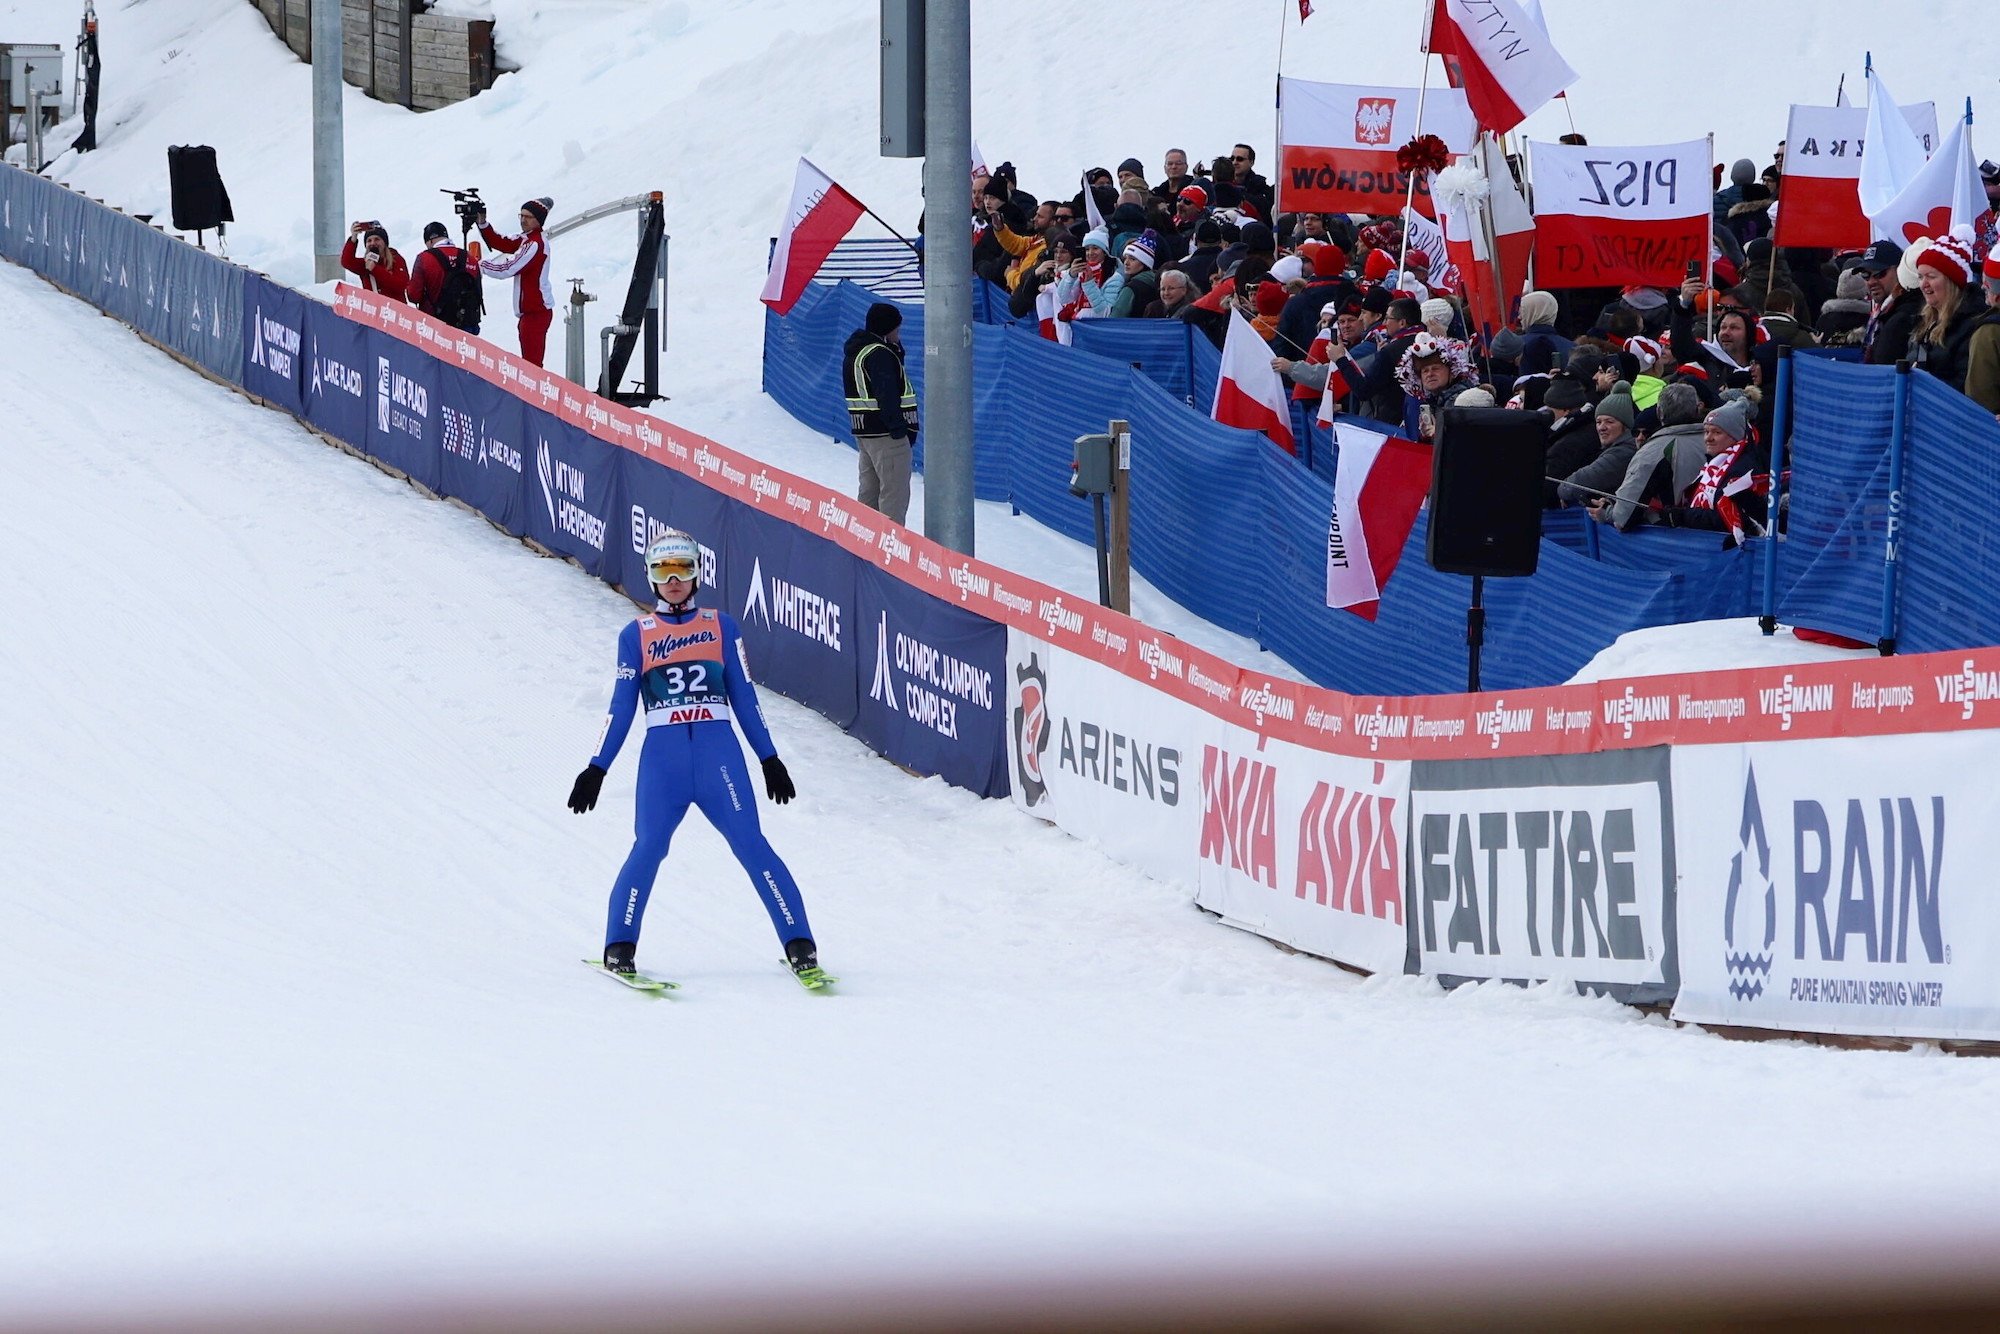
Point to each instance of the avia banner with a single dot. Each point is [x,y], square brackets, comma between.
[1840,886]
[1293,843]
[1338,142]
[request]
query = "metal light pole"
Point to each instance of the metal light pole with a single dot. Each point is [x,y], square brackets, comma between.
[947,414]
[329,142]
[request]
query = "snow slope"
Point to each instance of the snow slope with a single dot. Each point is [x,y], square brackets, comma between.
[291,1009]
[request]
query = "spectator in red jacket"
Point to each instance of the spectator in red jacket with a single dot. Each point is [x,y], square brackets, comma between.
[375,265]
[525,258]
[430,279]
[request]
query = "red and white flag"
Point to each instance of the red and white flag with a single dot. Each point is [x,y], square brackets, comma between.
[1467,192]
[1945,193]
[1427,237]
[1501,55]
[1819,199]
[821,213]
[1248,393]
[1337,144]
[1614,217]
[1378,488]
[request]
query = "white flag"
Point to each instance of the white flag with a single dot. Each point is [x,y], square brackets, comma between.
[1894,155]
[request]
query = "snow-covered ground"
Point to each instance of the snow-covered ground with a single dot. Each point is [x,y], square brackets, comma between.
[291,1009]
[291,905]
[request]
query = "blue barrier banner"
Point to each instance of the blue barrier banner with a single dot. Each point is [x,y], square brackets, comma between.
[933,691]
[336,398]
[208,306]
[794,596]
[274,321]
[482,447]
[573,498]
[404,430]
[658,499]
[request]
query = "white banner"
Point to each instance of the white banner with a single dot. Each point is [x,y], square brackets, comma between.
[1292,843]
[1841,886]
[1551,867]
[1825,142]
[1642,183]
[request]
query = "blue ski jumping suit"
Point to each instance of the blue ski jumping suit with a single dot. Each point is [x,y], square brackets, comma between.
[690,671]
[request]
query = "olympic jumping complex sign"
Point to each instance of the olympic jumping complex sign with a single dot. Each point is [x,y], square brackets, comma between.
[1796,849]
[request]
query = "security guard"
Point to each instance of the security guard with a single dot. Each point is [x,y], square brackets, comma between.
[881,409]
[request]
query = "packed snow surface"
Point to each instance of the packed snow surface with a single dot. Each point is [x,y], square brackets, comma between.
[293,915]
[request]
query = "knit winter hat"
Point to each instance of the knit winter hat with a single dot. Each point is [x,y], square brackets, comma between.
[1380,264]
[1329,261]
[1507,346]
[1271,298]
[376,230]
[434,231]
[1991,268]
[1743,171]
[1144,248]
[1207,232]
[1476,397]
[1289,269]
[1193,194]
[882,318]
[1646,351]
[1565,392]
[1618,405]
[1132,166]
[1259,239]
[1537,308]
[1949,255]
[540,208]
[1098,237]
[1437,308]
[1732,419]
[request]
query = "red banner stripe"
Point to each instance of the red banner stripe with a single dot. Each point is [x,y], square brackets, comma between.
[1575,251]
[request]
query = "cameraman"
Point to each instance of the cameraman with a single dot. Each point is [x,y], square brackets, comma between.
[526,259]
[379,268]
[445,281]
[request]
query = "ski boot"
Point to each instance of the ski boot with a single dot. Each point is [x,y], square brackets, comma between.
[618,957]
[803,956]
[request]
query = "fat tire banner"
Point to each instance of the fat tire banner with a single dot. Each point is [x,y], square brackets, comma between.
[1841,886]
[1546,867]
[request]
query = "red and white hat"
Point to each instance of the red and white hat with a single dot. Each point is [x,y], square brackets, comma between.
[1194,194]
[1949,255]
[1646,350]
[1991,268]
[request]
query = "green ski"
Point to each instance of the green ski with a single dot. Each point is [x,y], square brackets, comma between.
[657,986]
[814,979]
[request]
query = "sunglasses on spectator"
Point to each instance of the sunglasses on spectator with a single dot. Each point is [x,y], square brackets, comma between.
[1239,157]
[1065,217]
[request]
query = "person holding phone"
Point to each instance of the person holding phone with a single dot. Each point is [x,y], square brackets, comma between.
[374,264]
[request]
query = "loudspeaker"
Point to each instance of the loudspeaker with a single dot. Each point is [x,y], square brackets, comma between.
[1486,491]
[200,203]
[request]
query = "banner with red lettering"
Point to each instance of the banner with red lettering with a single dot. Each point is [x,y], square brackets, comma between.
[1609,217]
[1818,203]
[1337,144]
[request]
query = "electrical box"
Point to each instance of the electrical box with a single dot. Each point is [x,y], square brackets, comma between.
[1090,469]
[902,78]
[46,61]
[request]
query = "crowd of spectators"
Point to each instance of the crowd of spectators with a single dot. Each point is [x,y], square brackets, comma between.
[1656,397]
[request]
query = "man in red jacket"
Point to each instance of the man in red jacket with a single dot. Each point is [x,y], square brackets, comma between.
[431,289]
[378,268]
[525,258]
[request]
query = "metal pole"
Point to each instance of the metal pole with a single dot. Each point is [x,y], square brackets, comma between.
[947,415]
[32,138]
[1475,633]
[1781,425]
[329,142]
[1120,582]
[1410,195]
[1891,566]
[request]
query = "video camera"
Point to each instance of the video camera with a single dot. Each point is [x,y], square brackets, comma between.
[468,205]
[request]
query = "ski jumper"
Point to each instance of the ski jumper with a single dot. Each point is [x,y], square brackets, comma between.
[689,670]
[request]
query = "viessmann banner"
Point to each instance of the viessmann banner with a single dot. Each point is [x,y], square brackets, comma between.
[1841,886]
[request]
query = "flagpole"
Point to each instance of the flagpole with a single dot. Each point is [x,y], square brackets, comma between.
[1488,146]
[1708,252]
[1278,96]
[891,230]
[1423,87]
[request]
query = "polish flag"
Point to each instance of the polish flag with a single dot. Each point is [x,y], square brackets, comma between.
[1819,199]
[1501,55]
[1337,144]
[1616,217]
[1945,193]
[1249,393]
[1467,192]
[821,213]
[1378,489]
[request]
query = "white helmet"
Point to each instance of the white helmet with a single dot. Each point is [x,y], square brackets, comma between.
[673,555]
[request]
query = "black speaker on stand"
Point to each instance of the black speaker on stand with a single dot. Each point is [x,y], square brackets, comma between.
[1486,504]
[200,202]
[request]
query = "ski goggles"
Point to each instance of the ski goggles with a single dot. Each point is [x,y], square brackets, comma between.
[673,567]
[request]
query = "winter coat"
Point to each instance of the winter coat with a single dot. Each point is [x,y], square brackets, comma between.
[1949,358]
[1982,363]
[1140,290]
[1024,253]
[390,276]
[1572,445]
[1893,325]
[1842,322]
[527,258]
[1200,264]
[880,401]
[1663,468]
[1749,220]
[1605,473]
[428,274]
[1785,329]
[1298,322]
[1687,347]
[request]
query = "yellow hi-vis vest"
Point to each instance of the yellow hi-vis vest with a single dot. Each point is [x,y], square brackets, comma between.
[864,415]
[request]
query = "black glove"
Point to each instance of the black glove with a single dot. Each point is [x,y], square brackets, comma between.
[777,783]
[583,796]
